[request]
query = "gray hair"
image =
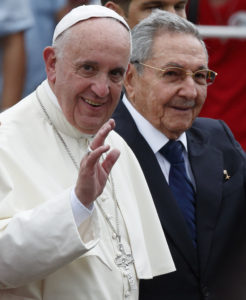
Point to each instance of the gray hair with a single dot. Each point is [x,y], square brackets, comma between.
[144,33]
[60,42]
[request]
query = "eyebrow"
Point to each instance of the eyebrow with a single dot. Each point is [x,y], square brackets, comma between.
[152,2]
[173,64]
[162,2]
[120,69]
[96,64]
[148,3]
[86,62]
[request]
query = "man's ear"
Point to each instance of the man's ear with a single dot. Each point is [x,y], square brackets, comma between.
[130,82]
[116,8]
[50,62]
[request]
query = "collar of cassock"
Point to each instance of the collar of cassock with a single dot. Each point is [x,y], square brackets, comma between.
[52,107]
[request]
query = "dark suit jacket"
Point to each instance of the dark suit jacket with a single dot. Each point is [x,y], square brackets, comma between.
[217,269]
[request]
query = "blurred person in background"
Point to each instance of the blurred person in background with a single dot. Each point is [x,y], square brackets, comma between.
[226,99]
[15,19]
[46,15]
[135,10]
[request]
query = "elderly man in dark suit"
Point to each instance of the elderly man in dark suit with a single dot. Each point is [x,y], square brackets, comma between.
[195,169]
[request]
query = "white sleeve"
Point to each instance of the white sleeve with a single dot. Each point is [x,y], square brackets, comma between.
[80,212]
[43,239]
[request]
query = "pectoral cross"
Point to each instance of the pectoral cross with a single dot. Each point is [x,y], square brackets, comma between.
[123,261]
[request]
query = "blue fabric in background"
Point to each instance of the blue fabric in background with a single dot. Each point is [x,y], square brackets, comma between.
[15,16]
[37,38]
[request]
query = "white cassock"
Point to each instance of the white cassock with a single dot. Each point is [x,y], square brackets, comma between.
[43,254]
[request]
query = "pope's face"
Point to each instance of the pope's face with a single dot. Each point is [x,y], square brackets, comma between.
[140,9]
[171,107]
[87,78]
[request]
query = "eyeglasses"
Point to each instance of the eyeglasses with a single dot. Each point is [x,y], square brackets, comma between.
[176,74]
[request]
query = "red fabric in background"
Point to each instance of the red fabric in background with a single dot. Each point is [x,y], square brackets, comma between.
[226,98]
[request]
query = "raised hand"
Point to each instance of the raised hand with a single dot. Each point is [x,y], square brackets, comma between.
[93,172]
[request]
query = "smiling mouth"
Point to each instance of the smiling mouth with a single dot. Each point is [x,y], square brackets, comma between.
[181,108]
[92,103]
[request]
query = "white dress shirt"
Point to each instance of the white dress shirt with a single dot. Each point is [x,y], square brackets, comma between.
[156,140]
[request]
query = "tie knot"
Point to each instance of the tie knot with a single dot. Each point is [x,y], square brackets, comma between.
[172,151]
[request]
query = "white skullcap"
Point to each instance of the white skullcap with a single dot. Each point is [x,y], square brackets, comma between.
[86,12]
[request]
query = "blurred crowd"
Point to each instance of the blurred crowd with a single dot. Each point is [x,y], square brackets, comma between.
[226,97]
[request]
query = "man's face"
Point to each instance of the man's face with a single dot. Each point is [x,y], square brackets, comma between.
[140,9]
[87,79]
[170,107]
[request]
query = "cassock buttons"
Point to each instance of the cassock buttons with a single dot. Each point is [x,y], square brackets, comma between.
[103,198]
[127,294]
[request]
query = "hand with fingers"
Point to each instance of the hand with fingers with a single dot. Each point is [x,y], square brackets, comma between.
[93,172]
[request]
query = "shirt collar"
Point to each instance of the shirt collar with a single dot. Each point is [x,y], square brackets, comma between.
[155,138]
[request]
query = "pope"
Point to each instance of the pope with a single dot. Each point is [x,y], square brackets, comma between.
[76,217]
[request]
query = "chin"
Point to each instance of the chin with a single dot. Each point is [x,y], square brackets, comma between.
[89,128]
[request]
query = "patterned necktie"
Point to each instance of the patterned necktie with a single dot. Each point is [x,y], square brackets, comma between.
[180,185]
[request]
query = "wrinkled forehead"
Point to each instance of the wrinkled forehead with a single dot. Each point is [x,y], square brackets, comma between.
[174,46]
[95,40]
[97,32]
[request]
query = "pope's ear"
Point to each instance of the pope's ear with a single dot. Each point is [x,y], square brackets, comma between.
[112,5]
[50,62]
[130,81]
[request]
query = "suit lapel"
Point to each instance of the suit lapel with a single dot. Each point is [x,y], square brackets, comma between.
[207,167]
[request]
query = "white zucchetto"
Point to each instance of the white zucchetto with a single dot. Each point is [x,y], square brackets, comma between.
[85,12]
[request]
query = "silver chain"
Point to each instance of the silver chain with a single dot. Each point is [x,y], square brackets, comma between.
[58,133]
